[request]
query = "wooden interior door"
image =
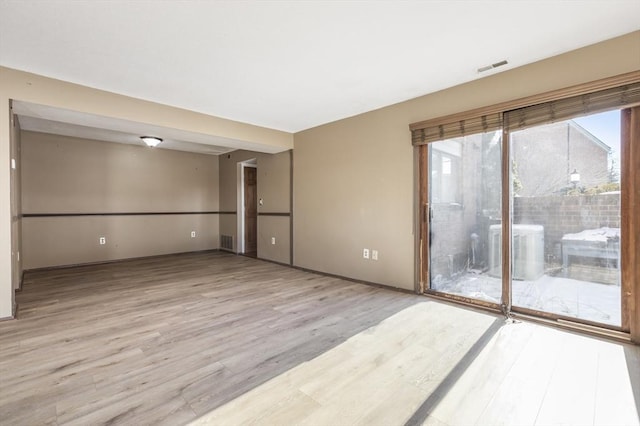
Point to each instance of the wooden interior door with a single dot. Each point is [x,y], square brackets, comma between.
[250,211]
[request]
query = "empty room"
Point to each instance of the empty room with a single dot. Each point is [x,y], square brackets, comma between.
[320,212]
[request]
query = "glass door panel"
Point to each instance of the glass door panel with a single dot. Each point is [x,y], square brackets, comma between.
[465,199]
[565,245]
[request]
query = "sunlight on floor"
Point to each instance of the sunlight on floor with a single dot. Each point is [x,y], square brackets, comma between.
[439,364]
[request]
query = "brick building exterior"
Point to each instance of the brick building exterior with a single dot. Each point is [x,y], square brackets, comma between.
[545,156]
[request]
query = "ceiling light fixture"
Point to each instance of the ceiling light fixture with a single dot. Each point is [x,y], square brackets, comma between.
[492,66]
[151,140]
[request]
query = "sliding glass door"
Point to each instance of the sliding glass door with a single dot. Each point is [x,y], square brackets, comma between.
[524,209]
[565,218]
[465,199]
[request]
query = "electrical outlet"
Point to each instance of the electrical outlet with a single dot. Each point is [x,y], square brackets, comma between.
[193,234]
[273,240]
[102,241]
[374,254]
[365,253]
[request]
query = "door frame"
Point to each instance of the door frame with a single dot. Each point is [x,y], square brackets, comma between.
[253,163]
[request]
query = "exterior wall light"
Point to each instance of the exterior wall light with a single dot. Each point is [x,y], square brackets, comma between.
[574,178]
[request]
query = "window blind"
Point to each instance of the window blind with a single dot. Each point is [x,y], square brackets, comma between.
[480,124]
[575,106]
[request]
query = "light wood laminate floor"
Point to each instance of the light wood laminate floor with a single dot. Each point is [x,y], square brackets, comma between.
[212,338]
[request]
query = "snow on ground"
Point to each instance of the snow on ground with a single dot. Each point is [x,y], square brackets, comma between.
[564,296]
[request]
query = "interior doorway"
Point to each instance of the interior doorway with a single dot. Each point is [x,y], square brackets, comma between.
[250,211]
[247,208]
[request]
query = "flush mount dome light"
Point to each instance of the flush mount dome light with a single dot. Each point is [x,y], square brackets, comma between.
[151,140]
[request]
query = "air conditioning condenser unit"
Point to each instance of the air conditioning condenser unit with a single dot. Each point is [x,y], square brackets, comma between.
[527,250]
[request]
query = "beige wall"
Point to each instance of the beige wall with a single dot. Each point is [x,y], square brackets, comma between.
[70,175]
[71,240]
[278,227]
[354,178]
[353,189]
[274,188]
[274,183]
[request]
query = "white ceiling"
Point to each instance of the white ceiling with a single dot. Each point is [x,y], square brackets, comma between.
[292,65]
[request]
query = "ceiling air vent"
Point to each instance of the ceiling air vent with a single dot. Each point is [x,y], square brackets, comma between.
[492,66]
